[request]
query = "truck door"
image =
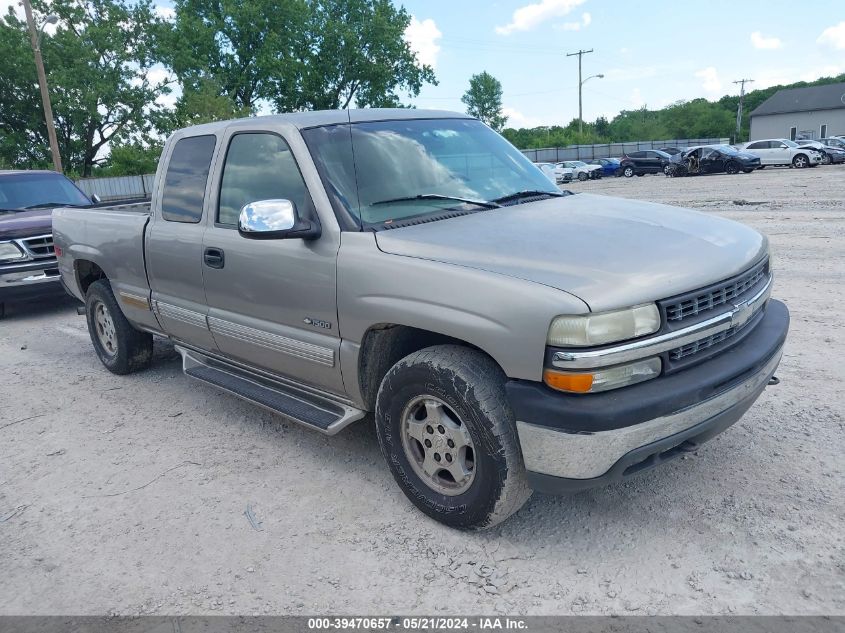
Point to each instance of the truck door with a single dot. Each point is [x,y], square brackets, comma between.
[272,303]
[174,242]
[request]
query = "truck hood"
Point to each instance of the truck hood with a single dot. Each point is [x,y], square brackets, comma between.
[609,252]
[25,223]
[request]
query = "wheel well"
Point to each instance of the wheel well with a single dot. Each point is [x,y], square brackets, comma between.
[386,344]
[87,273]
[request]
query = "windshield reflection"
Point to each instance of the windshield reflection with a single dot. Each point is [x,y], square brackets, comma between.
[368,163]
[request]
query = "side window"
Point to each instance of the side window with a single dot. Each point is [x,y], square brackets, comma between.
[259,166]
[636,155]
[758,145]
[186,178]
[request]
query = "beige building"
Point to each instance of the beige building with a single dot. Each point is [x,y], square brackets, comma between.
[811,112]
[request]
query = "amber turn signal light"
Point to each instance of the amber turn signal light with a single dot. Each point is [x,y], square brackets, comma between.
[575,383]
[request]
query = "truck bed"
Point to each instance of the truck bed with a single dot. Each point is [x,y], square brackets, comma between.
[112,237]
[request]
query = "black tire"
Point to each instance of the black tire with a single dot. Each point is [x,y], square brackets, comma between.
[666,169]
[472,385]
[582,176]
[131,350]
[628,172]
[825,158]
[731,167]
[800,161]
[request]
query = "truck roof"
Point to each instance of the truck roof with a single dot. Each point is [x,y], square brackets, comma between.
[317,118]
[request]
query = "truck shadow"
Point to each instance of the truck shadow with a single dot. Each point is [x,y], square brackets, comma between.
[48,307]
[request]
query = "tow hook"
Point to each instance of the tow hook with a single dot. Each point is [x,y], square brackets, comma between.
[774,380]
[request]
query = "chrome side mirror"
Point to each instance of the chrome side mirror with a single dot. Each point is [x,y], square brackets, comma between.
[96,199]
[274,220]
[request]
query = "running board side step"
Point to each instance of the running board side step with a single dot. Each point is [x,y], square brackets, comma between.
[299,404]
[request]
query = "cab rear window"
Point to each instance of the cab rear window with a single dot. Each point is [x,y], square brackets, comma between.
[186,179]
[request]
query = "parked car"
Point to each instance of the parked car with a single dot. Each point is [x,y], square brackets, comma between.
[833,142]
[781,151]
[650,161]
[504,335]
[830,155]
[582,170]
[555,173]
[712,159]
[609,166]
[28,267]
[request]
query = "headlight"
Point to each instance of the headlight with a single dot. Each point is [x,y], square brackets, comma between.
[604,327]
[10,251]
[595,380]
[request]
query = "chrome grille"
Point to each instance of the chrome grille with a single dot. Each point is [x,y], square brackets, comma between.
[702,344]
[39,247]
[695,303]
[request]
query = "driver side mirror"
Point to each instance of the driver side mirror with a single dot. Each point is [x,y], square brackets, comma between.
[275,220]
[96,199]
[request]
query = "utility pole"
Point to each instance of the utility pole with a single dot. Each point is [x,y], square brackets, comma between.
[580,54]
[742,83]
[35,37]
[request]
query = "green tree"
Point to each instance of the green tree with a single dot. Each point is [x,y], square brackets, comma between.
[98,65]
[133,159]
[296,54]
[484,100]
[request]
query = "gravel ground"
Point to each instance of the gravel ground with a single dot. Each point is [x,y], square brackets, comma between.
[153,494]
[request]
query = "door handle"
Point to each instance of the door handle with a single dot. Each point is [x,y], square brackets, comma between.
[214,258]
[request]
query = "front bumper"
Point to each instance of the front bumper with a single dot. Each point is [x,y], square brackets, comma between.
[30,281]
[573,442]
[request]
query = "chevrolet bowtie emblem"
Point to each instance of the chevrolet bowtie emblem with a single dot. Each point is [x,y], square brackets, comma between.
[741,313]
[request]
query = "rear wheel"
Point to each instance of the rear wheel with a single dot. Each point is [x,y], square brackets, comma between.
[800,161]
[825,158]
[119,346]
[447,432]
[628,172]
[731,167]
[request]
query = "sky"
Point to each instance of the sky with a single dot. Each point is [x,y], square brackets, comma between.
[650,54]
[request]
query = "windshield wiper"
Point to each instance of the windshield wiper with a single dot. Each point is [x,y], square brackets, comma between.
[530,193]
[437,196]
[50,204]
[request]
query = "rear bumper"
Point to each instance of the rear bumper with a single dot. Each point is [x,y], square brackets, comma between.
[577,442]
[30,281]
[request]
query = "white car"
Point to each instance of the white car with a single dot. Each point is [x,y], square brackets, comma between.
[555,173]
[781,151]
[582,170]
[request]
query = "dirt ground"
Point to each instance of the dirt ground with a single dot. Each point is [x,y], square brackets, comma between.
[153,494]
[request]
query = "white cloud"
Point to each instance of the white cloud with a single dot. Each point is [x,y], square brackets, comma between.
[834,37]
[765,43]
[14,4]
[517,119]
[165,13]
[532,15]
[422,37]
[586,19]
[710,80]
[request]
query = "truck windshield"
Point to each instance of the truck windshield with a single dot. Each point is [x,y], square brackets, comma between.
[393,170]
[29,190]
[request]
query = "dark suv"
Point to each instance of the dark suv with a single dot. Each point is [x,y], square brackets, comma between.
[649,161]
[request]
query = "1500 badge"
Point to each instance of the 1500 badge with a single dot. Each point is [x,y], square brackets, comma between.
[326,325]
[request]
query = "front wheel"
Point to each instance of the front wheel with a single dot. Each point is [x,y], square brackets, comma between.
[800,161]
[666,169]
[628,172]
[731,168]
[119,346]
[825,159]
[582,176]
[447,432]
